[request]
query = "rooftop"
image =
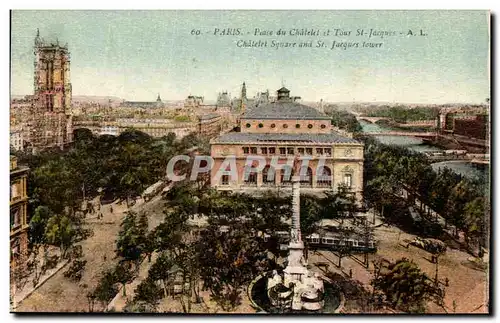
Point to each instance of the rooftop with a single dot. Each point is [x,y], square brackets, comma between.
[209,116]
[282,110]
[243,137]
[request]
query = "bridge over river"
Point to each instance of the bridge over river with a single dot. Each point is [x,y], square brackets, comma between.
[472,158]
[426,134]
[470,167]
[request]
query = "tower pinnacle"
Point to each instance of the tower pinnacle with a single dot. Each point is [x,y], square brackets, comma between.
[243,91]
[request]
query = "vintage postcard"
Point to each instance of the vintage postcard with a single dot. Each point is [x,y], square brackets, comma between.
[214,162]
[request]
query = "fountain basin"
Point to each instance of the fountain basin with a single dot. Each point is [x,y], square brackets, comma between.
[258,293]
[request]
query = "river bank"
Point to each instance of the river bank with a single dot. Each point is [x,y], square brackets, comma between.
[464,168]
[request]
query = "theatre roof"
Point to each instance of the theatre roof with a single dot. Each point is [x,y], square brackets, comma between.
[243,137]
[284,110]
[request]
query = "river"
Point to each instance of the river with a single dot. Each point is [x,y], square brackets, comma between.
[462,167]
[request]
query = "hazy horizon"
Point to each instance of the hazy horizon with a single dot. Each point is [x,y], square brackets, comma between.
[134,55]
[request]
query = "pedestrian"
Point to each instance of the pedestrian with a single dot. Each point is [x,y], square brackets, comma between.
[111,209]
[350,272]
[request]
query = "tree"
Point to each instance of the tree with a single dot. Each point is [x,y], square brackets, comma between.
[188,262]
[169,233]
[149,244]
[74,272]
[38,224]
[228,261]
[128,244]
[457,200]
[475,220]
[57,185]
[338,204]
[149,292]
[123,275]
[309,214]
[60,232]
[405,286]
[380,191]
[106,288]
[142,224]
[162,270]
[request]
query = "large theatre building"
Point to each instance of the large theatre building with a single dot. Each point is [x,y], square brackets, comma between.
[285,129]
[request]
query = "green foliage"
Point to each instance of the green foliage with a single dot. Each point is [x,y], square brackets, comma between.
[57,185]
[403,114]
[338,204]
[60,231]
[106,288]
[161,269]
[405,286]
[182,118]
[128,244]
[343,119]
[149,292]
[310,214]
[123,275]
[168,234]
[121,166]
[75,270]
[38,224]
[388,169]
[228,260]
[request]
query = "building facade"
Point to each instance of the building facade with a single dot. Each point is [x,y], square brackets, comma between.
[193,102]
[18,216]
[158,104]
[50,123]
[281,131]
[211,125]
[17,137]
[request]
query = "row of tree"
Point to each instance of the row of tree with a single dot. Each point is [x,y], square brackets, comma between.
[403,114]
[121,167]
[462,201]
[225,255]
[343,119]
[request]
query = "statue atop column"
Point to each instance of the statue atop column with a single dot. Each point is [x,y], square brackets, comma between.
[297,163]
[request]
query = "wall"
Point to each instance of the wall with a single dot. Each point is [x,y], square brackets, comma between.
[279,126]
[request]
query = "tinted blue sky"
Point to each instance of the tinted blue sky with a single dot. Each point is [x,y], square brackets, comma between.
[137,54]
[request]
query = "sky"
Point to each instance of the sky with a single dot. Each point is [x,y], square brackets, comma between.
[135,55]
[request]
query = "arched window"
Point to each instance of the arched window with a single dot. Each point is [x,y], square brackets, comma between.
[347,177]
[324,177]
[286,175]
[268,176]
[306,177]
[250,176]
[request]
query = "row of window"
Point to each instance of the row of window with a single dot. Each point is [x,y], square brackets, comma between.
[323,181]
[273,125]
[15,218]
[287,151]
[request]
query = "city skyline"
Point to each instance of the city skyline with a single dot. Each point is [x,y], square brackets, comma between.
[151,56]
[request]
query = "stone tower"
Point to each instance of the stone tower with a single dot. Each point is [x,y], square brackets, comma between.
[243,98]
[243,91]
[51,121]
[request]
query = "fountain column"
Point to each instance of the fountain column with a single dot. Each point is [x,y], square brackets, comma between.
[296,262]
